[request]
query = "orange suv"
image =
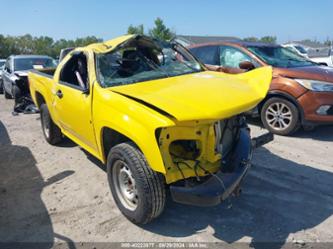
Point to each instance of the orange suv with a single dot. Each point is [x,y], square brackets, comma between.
[301,91]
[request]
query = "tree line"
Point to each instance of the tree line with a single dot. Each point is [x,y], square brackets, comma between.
[44,45]
[160,31]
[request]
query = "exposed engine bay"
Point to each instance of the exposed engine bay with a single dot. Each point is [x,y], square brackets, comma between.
[200,148]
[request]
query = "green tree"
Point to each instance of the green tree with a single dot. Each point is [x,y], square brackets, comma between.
[251,39]
[268,39]
[138,30]
[160,31]
[43,45]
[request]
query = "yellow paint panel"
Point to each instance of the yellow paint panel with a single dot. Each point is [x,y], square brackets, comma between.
[206,95]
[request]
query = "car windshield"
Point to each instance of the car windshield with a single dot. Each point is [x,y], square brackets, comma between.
[21,64]
[280,56]
[144,59]
[2,63]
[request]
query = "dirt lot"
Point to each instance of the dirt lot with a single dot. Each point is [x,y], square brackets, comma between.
[61,194]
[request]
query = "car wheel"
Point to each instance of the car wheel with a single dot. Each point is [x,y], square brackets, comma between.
[16,92]
[51,131]
[280,116]
[138,191]
[6,94]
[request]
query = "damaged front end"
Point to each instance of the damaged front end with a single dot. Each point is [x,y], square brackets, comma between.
[21,94]
[206,161]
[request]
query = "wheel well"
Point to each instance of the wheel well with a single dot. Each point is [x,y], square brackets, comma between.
[111,138]
[40,99]
[283,96]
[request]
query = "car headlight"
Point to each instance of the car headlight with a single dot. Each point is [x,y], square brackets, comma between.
[316,85]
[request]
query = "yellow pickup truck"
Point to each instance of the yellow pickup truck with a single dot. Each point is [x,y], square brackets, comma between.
[156,117]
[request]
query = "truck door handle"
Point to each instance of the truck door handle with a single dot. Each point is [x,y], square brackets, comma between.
[59,94]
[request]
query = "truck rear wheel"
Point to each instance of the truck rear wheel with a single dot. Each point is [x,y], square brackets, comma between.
[138,191]
[51,131]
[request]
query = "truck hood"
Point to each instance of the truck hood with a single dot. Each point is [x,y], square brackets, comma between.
[204,95]
[19,75]
[322,73]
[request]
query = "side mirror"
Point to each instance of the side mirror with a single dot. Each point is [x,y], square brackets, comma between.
[246,65]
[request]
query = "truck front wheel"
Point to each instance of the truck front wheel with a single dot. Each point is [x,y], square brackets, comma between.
[138,191]
[51,131]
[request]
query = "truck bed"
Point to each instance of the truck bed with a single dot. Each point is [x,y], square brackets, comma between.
[41,81]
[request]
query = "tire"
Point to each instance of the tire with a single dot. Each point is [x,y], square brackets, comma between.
[6,94]
[51,131]
[142,197]
[16,92]
[1,87]
[280,116]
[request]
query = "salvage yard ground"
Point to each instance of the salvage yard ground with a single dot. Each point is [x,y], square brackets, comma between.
[61,193]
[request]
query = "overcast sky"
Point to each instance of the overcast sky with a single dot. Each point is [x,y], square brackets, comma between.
[286,19]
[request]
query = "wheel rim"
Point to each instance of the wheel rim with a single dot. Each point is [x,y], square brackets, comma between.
[125,185]
[46,125]
[279,116]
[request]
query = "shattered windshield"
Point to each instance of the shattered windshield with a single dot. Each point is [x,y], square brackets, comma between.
[280,56]
[142,60]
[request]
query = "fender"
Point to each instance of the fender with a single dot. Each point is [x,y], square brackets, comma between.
[142,136]
[132,119]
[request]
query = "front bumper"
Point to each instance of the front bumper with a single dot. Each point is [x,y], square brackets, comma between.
[221,185]
[311,101]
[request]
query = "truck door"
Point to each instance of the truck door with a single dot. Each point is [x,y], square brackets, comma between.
[73,100]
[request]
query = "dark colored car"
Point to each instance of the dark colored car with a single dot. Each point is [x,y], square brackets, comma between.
[301,91]
[14,75]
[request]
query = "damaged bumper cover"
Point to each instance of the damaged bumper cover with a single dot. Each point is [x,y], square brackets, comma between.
[221,185]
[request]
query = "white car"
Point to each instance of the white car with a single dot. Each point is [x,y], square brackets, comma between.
[322,56]
[2,63]
[297,48]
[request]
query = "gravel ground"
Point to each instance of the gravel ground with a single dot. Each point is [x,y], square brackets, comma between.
[60,194]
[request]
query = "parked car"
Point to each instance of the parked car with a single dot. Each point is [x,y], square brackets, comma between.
[301,92]
[323,56]
[2,63]
[14,75]
[297,48]
[152,113]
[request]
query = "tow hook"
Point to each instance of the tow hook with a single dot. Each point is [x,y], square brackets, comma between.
[262,140]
